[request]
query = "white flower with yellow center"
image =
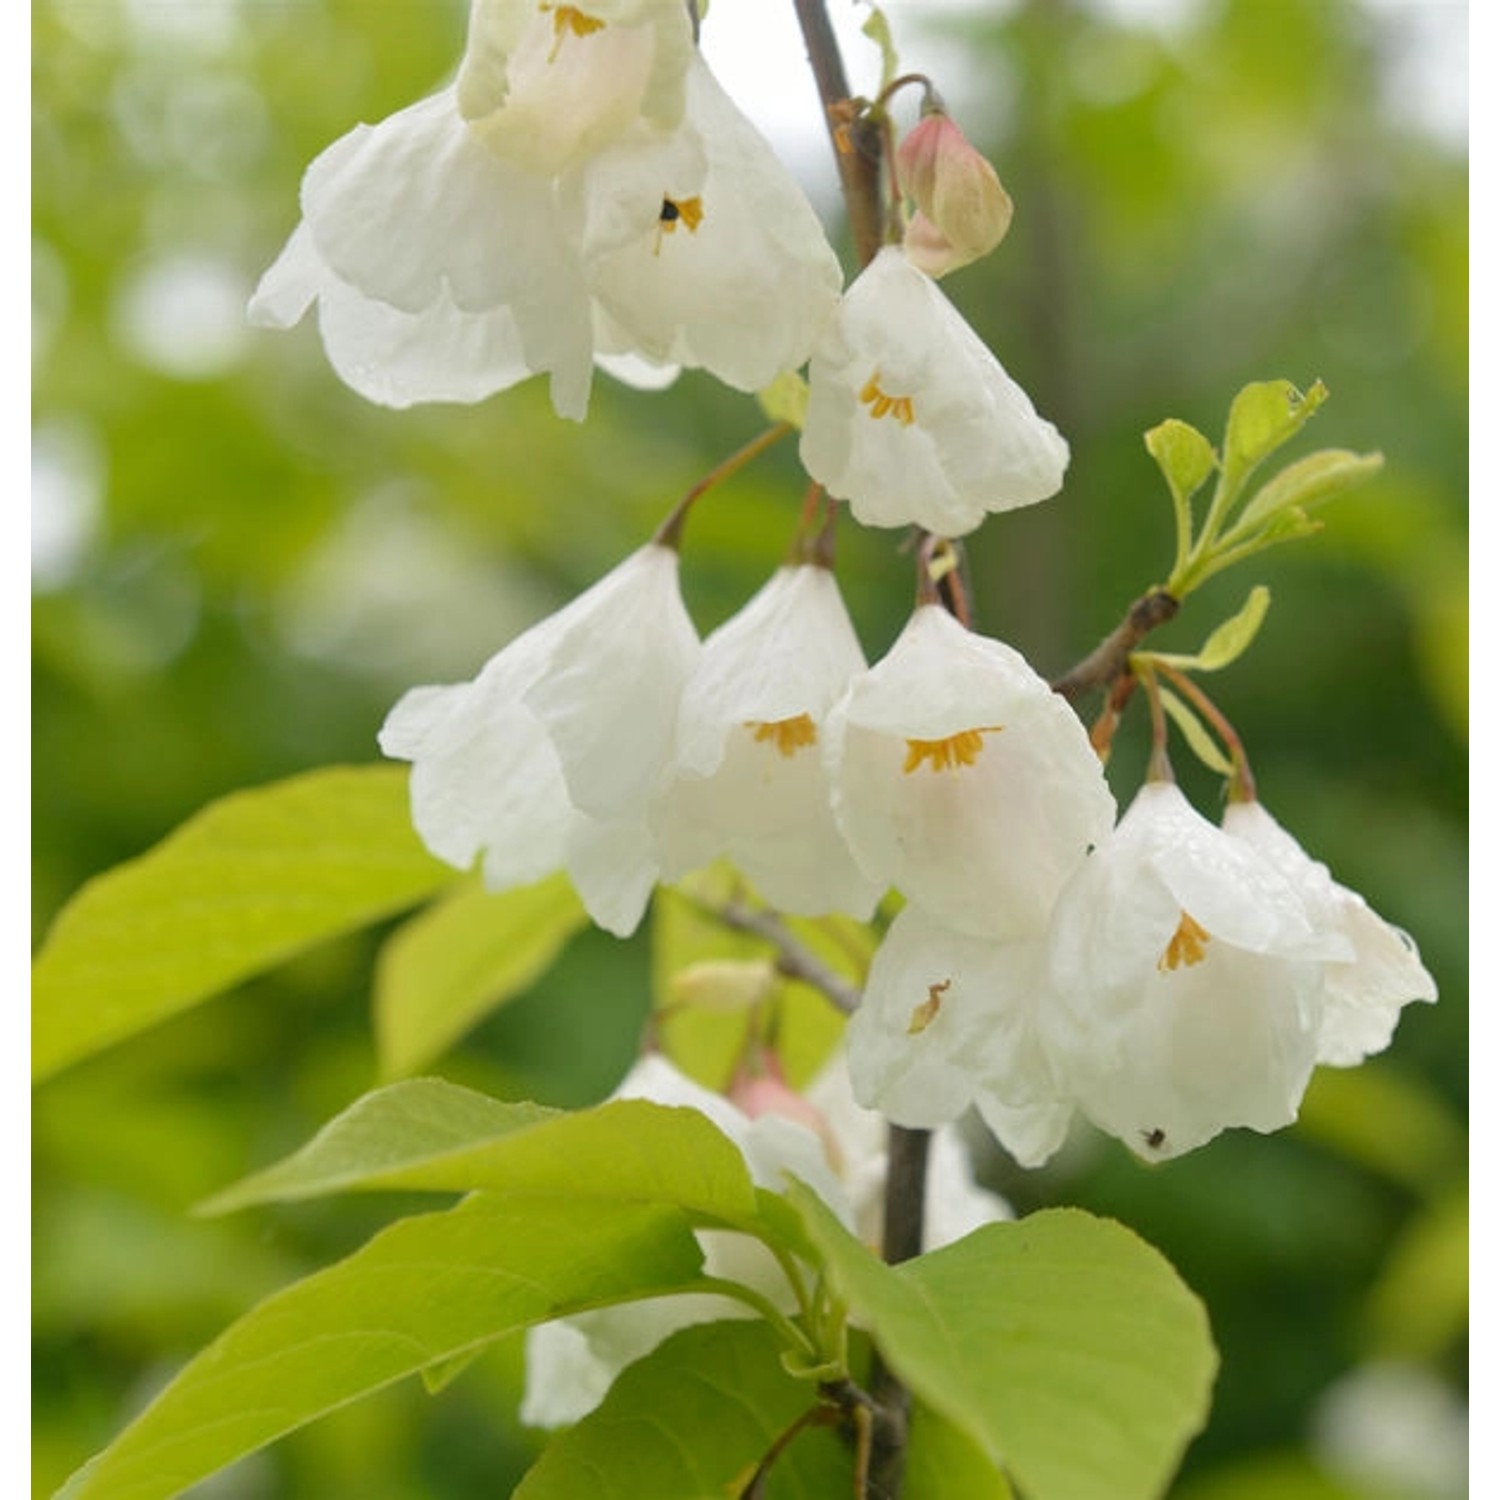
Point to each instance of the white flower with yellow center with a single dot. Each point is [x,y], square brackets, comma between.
[1362,996]
[1187,982]
[701,247]
[751,783]
[550,757]
[963,780]
[947,1021]
[912,420]
[441,272]
[547,85]
[571,1363]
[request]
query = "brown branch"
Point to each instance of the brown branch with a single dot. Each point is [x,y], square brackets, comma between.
[1108,660]
[856,138]
[793,958]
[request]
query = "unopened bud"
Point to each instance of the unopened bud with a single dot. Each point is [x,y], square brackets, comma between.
[962,211]
[761,1088]
[724,985]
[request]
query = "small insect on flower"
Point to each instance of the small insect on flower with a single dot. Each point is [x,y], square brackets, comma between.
[1155,1138]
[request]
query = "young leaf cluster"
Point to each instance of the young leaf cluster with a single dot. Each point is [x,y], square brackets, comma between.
[1240,522]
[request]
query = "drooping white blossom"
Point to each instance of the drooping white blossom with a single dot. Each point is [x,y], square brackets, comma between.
[440,270]
[948,1021]
[1187,982]
[751,784]
[825,1140]
[963,780]
[548,759]
[702,248]
[547,85]
[911,419]
[1362,996]
[585,193]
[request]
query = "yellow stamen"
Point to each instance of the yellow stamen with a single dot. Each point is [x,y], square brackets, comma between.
[675,211]
[883,405]
[788,735]
[568,18]
[923,1015]
[688,211]
[961,749]
[1186,946]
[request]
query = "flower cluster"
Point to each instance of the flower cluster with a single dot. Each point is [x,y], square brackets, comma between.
[1187,979]
[822,1137]
[586,193]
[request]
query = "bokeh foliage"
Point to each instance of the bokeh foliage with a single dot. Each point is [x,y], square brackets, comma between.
[246,564]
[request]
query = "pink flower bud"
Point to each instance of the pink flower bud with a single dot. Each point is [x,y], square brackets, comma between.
[962,211]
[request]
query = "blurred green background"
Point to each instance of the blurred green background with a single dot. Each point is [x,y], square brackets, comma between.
[238,565]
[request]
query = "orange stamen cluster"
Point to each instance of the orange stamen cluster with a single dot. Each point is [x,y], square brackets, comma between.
[675,211]
[961,749]
[788,735]
[882,405]
[1186,946]
[569,19]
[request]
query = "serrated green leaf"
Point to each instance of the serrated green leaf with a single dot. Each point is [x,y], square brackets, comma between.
[1064,1345]
[248,882]
[691,1421]
[1263,416]
[878,29]
[1227,642]
[452,964]
[1200,742]
[1308,482]
[425,1134]
[421,1293]
[785,399]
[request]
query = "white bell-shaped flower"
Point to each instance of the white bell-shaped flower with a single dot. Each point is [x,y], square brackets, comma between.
[911,419]
[702,248]
[1363,996]
[547,85]
[441,272]
[751,784]
[824,1139]
[947,1021]
[963,780]
[1187,982]
[580,705]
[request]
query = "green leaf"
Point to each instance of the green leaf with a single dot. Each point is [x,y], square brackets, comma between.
[943,1461]
[1063,1344]
[421,1293]
[1186,458]
[455,962]
[1419,1309]
[878,29]
[1308,482]
[425,1134]
[785,399]
[1263,416]
[1229,641]
[1200,742]
[691,1421]
[246,883]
